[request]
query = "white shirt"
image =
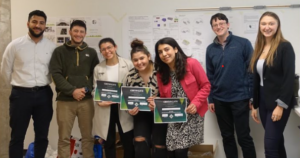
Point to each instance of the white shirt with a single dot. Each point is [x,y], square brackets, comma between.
[112,73]
[25,63]
[260,69]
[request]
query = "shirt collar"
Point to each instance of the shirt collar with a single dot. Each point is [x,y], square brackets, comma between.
[216,40]
[29,38]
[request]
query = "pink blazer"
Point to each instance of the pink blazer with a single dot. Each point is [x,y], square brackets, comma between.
[195,84]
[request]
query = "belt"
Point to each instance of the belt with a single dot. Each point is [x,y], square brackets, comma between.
[36,88]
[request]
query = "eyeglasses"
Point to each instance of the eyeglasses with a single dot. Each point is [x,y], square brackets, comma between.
[107,48]
[221,24]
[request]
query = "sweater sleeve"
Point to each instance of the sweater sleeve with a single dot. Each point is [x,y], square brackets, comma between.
[95,62]
[248,51]
[56,70]
[210,73]
[204,85]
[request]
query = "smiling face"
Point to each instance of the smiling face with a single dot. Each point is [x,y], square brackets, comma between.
[167,54]
[268,26]
[77,34]
[220,27]
[140,61]
[36,26]
[108,50]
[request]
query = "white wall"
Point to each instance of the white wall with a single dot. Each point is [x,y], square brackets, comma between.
[119,8]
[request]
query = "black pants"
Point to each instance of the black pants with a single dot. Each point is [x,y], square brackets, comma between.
[126,138]
[25,103]
[154,134]
[235,116]
[274,140]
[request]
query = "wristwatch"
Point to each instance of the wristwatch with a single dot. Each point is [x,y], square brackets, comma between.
[86,89]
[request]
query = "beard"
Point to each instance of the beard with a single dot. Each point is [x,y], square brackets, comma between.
[76,42]
[34,34]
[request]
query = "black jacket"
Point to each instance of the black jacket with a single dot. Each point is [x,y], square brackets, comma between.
[278,79]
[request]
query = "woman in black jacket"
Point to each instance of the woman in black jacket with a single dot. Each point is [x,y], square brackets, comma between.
[273,67]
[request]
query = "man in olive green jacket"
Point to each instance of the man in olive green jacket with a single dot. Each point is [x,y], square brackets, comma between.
[72,66]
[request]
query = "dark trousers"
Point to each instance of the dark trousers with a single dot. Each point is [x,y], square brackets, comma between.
[154,134]
[235,116]
[25,103]
[126,138]
[274,140]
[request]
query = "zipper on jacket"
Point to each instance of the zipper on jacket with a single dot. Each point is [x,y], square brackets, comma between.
[223,50]
[77,53]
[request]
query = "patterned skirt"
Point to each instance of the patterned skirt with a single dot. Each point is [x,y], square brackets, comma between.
[187,134]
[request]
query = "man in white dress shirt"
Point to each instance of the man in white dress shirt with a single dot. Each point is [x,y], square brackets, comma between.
[25,66]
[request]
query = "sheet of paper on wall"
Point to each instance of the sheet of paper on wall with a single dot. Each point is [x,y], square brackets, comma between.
[57,29]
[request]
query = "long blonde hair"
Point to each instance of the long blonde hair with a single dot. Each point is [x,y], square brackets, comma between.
[261,41]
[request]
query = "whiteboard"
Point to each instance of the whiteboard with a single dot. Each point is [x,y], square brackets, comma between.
[192,31]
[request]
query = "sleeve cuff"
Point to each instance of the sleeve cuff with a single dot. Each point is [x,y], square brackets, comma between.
[251,100]
[210,99]
[281,103]
[70,92]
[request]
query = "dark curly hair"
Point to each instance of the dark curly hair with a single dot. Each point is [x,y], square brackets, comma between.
[180,61]
[37,13]
[78,23]
[138,46]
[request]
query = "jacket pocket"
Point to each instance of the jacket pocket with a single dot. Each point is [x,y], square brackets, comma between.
[190,80]
[191,84]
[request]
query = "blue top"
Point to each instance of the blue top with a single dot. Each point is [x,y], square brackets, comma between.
[227,69]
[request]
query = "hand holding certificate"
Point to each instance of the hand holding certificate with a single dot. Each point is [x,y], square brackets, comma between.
[105,103]
[151,103]
[108,91]
[132,97]
[170,110]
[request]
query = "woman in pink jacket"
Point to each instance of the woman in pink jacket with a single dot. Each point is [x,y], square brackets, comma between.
[181,76]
